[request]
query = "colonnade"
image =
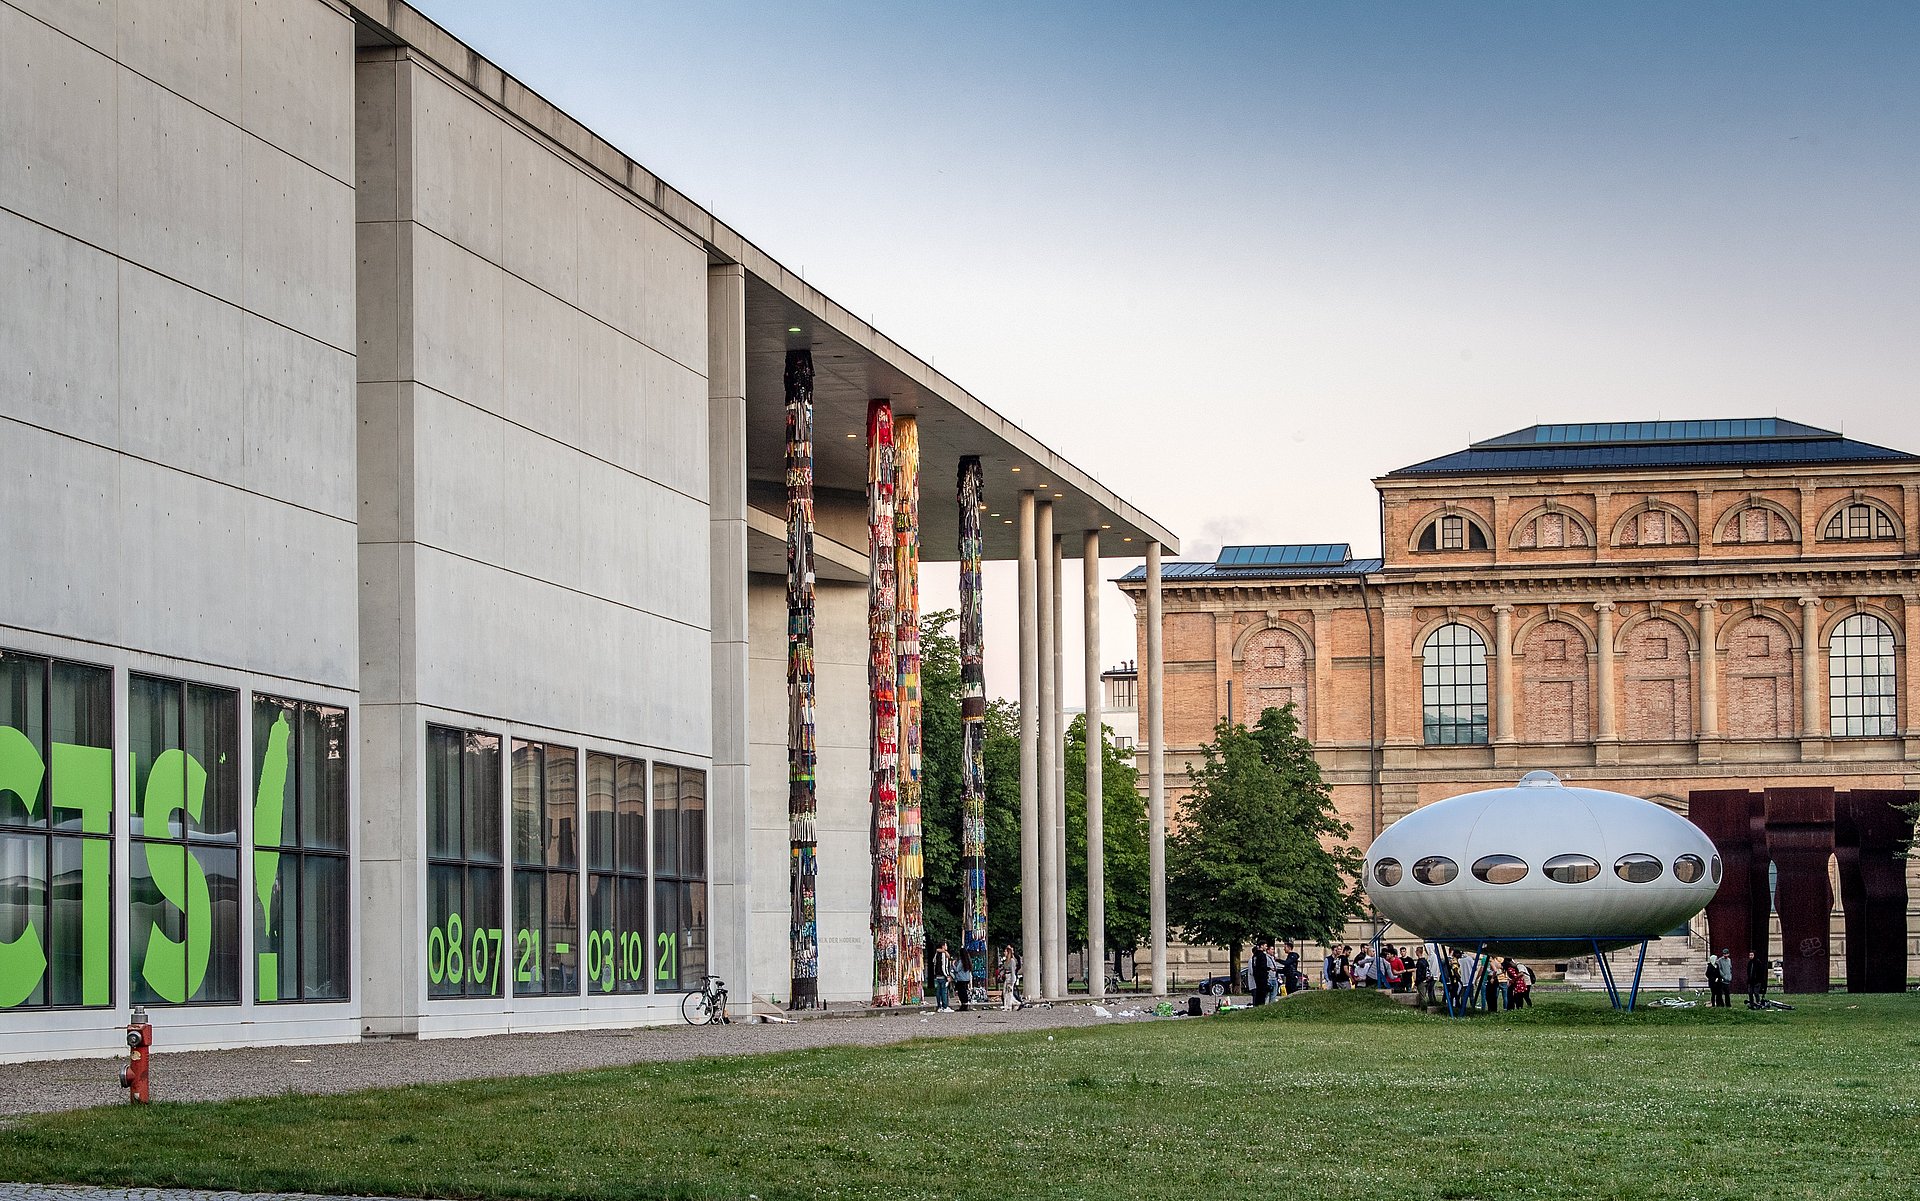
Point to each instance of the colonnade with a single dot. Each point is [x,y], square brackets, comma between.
[1043,726]
[893,509]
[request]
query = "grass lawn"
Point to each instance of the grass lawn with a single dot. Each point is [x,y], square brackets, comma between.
[1326,1095]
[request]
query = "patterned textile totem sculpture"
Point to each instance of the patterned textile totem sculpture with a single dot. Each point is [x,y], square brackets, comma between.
[802,809]
[884,710]
[913,871]
[973,726]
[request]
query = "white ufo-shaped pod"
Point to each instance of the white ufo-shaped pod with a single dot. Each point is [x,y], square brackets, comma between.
[1541,869]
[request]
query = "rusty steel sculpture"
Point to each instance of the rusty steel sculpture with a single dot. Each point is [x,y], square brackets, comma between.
[906,524]
[802,804]
[1776,846]
[883,709]
[973,726]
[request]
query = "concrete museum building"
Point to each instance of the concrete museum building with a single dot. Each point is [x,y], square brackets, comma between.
[396,625]
[1646,607]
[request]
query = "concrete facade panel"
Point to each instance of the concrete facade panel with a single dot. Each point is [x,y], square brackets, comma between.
[189,47]
[297,419]
[181,375]
[539,535]
[59,313]
[546,362]
[458,476]
[298,245]
[540,234]
[456,166]
[457,325]
[58,494]
[57,130]
[612,277]
[181,186]
[296,70]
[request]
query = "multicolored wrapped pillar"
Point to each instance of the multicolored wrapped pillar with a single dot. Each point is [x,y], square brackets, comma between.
[906,557]
[973,727]
[884,729]
[802,808]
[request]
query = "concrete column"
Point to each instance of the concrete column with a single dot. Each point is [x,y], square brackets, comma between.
[1060,764]
[1029,753]
[1050,882]
[729,854]
[1810,726]
[1156,780]
[1709,670]
[1503,673]
[1603,614]
[1096,747]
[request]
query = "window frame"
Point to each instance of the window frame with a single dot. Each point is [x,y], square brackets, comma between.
[555,858]
[225,772]
[1438,696]
[293,916]
[471,787]
[620,943]
[686,880]
[49,835]
[1850,686]
[1838,524]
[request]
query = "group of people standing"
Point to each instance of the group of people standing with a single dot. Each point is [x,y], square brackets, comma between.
[1720,979]
[953,979]
[1502,984]
[1275,972]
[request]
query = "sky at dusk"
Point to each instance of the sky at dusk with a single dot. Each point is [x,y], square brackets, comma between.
[1236,260]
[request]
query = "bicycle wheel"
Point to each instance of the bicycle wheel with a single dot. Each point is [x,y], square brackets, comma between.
[693,1007]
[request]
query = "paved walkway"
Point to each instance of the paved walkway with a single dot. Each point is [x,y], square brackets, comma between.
[81,1192]
[61,1084]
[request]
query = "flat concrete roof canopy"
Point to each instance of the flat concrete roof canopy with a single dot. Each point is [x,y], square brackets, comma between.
[853,363]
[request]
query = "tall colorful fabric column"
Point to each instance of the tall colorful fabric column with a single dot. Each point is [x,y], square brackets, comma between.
[913,871]
[802,807]
[973,726]
[883,670]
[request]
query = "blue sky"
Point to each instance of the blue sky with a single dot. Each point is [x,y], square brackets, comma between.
[1237,259]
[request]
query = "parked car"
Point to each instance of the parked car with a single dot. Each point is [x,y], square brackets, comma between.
[1222,984]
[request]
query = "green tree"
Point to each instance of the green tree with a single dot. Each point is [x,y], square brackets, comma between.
[1124,814]
[1259,852]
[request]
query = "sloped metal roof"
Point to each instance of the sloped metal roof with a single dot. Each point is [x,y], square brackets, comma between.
[1652,444]
[1241,575]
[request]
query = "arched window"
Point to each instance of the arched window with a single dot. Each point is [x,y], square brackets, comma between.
[1453,687]
[1859,522]
[1452,531]
[1860,678]
[1550,528]
[1654,524]
[1758,521]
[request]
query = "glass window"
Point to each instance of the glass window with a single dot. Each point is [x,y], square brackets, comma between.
[1453,533]
[1387,872]
[1860,678]
[1500,869]
[1688,868]
[1860,521]
[185,861]
[1716,869]
[465,932]
[1637,868]
[1571,869]
[56,833]
[680,871]
[1453,679]
[546,878]
[1435,869]
[302,915]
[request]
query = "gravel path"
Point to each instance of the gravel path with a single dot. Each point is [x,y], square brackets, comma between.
[62,1084]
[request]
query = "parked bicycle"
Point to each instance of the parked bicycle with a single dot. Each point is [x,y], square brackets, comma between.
[708,1006]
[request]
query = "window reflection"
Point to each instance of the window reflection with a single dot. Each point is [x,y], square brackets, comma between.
[1637,868]
[1435,869]
[1500,869]
[1387,872]
[1571,869]
[1688,868]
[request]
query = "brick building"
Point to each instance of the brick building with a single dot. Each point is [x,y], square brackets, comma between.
[1650,607]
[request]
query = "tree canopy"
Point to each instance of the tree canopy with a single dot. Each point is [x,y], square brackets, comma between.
[1259,848]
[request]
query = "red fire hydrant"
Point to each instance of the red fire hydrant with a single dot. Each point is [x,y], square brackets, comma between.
[133,1077]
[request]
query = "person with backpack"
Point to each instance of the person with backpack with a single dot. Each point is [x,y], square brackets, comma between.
[1262,972]
[1519,983]
[1340,968]
[963,983]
